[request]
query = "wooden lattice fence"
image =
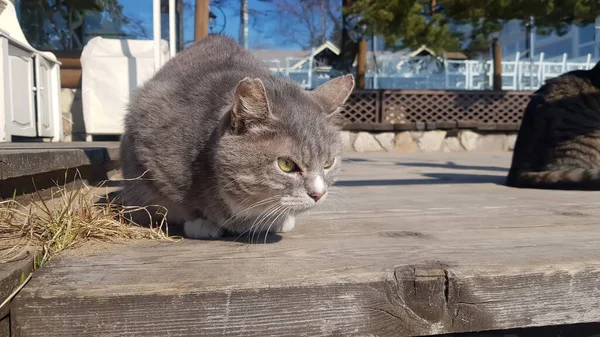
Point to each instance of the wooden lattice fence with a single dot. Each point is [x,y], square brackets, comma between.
[420,109]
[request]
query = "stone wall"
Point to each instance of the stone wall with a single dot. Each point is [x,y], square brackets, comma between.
[428,141]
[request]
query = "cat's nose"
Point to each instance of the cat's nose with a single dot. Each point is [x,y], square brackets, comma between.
[315,196]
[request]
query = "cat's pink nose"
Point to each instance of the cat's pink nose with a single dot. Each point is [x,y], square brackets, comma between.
[316,196]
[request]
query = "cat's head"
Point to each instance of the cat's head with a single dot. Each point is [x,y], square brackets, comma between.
[280,149]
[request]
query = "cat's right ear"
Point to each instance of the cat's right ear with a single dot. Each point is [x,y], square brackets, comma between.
[251,111]
[334,93]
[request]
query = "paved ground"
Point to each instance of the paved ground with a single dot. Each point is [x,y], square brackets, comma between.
[408,244]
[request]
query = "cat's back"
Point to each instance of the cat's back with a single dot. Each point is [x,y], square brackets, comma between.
[172,116]
[216,60]
[191,90]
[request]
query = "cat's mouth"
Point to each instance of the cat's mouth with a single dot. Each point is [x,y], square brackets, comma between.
[299,204]
[291,204]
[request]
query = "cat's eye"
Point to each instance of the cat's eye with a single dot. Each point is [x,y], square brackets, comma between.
[328,164]
[287,165]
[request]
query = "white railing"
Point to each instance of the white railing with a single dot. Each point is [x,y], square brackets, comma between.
[518,74]
[431,73]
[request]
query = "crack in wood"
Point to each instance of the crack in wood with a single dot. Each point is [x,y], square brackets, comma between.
[446,286]
[433,299]
[388,312]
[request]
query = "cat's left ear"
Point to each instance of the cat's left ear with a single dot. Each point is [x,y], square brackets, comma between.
[251,110]
[334,93]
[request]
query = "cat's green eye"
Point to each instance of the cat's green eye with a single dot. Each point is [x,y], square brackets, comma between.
[287,165]
[328,164]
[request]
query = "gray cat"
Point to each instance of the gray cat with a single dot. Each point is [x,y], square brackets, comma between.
[558,145]
[224,145]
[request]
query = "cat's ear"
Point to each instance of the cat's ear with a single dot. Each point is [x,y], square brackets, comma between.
[334,93]
[251,109]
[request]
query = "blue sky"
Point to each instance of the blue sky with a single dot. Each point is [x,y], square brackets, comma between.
[262,31]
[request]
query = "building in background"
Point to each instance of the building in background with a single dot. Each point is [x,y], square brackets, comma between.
[578,42]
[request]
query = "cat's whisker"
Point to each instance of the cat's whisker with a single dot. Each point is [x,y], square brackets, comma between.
[340,201]
[136,178]
[259,225]
[256,204]
[341,191]
[225,187]
[283,212]
[331,206]
[334,194]
[344,198]
[250,229]
[264,215]
[333,209]
[330,220]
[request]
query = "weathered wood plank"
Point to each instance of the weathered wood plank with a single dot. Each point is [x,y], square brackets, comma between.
[11,275]
[419,246]
[422,303]
[5,327]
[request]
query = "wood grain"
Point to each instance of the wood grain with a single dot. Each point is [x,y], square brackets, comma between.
[5,327]
[11,274]
[408,245]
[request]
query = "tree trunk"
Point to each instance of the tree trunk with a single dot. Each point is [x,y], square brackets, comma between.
[243,35]
[323,28]
[201,20]
[432,6]
[180,39]
[362,65]
[497,47]
[343,62]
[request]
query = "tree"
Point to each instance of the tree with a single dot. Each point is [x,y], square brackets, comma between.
[308,23]
[243,35]
[409,21]
[417,22]
[60,25]
[488,17]
[413,22]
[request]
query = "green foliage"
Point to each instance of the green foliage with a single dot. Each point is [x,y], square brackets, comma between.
[60,24]
[412,21]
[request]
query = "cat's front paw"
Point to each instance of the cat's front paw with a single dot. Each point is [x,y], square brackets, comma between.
[201,229]
[288,224]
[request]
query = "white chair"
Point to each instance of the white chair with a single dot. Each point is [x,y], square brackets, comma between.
[29,84]
[111,69]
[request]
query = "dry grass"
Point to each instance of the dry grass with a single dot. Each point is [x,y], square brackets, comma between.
[68,219]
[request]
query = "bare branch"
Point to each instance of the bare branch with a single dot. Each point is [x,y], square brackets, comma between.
[306,22]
